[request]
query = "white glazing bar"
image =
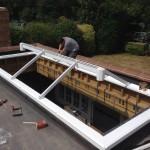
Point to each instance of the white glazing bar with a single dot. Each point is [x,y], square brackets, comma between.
[57,80]
[27,65]
[16,55]
[116,77]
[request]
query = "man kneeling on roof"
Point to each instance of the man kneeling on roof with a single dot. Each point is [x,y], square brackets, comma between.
[68,47]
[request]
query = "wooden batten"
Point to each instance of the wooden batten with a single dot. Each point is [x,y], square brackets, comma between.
[79,75]
[122,92]
[56,66]
[88,78]
[109,87]
[138,98]
[50,63]
[71,73]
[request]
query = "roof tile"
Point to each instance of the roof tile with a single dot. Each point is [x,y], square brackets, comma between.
[133,72]
[81,58]
[115,67]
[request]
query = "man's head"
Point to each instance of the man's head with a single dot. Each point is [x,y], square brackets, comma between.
[61,41]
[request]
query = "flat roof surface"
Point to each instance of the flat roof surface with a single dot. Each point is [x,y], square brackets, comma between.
[26,136]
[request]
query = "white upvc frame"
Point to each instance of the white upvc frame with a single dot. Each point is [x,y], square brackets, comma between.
[101,142]
[105,142]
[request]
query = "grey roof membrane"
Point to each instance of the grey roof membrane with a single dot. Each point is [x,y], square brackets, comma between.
[18,136]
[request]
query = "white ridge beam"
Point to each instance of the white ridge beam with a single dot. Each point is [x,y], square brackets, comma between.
[57,80]
[27,65]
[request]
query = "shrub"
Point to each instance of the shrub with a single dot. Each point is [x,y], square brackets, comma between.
[38,33]
[46,34]
[135,48]
[17,34]
[66,28]
[108,37]
[88,44]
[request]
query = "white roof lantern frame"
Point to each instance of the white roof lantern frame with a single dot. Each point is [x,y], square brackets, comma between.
[101,142]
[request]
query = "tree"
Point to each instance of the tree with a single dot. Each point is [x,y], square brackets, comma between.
[88,11]
[47,10]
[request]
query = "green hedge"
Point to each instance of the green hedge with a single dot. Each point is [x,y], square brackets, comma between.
[108,37]
[38,33]
[17,34]
[66,28]
[46,34]
[135,48]
[88,47]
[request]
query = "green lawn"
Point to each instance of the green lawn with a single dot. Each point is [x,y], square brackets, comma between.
[141,63]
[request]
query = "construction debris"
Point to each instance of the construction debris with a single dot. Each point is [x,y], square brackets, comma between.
[39,125]
[2,102]
[4,136]
[143,86]
[17,111]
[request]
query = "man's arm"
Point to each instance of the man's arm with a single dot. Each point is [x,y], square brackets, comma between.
[63,51]
[60,47]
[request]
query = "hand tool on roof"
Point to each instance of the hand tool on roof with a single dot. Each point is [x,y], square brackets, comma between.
[2,102]
[39,125]
[17,111]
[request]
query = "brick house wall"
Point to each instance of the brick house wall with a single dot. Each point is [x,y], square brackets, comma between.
[4,27]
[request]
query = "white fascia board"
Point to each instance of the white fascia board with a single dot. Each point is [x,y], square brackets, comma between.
[122,132]
[82,129]
[16,55]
